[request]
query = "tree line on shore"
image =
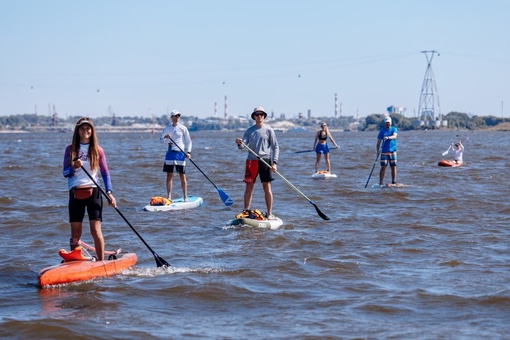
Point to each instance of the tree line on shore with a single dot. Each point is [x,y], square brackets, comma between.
[456,120]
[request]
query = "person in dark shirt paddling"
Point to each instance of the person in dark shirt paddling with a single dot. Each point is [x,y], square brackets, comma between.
[262,140]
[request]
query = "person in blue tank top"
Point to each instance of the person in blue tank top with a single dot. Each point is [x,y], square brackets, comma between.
[387,147]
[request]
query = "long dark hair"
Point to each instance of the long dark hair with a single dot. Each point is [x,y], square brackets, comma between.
[93,155]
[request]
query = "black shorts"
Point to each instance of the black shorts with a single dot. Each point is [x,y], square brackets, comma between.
[94,206]
[256,168]
[181,169]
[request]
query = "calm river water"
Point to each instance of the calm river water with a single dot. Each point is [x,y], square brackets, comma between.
[426,261]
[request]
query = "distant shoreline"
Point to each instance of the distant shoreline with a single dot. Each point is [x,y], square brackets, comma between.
[500,127]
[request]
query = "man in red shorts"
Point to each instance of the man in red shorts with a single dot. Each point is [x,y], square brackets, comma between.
[262,140]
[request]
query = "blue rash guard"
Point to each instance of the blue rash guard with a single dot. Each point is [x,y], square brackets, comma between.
[389,145]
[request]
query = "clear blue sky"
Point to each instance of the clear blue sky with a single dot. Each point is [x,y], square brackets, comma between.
[143,57]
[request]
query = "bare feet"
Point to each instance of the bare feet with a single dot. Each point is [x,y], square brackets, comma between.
[271,217]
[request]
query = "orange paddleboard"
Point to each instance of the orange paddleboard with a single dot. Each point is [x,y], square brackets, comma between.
[445,162]
[85,270]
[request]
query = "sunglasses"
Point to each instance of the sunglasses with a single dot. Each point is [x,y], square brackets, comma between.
[176,116]
[258,114]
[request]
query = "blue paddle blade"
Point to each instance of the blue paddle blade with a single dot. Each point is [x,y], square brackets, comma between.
[225,198]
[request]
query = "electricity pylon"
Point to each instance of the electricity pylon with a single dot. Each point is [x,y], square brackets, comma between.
[429,108]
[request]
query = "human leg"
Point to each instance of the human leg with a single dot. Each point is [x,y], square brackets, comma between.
[268,196]
[76,230]
[184,186]
[317,162]
[250,175]
[97,235]
[266,177]
[169,169]
[381,175]
[328,164]
[248,191]
[95,212]
[76,213]
[169,176]
[393,166]
[393,174]
[384,159]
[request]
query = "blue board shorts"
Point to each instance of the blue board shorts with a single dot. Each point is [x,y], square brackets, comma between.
[390,157]
[175,159]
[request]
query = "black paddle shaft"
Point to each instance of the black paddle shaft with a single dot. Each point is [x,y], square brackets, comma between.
[373,167]
[319,212]
[160,262]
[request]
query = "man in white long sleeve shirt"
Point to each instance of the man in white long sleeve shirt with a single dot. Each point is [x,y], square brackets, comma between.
[458,150]
[179,149]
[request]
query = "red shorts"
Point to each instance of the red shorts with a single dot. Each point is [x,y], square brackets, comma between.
[255,168]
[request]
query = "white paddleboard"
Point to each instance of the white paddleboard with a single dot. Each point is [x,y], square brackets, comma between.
[250,222]
[388,185]
[178,204]
[323,175]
